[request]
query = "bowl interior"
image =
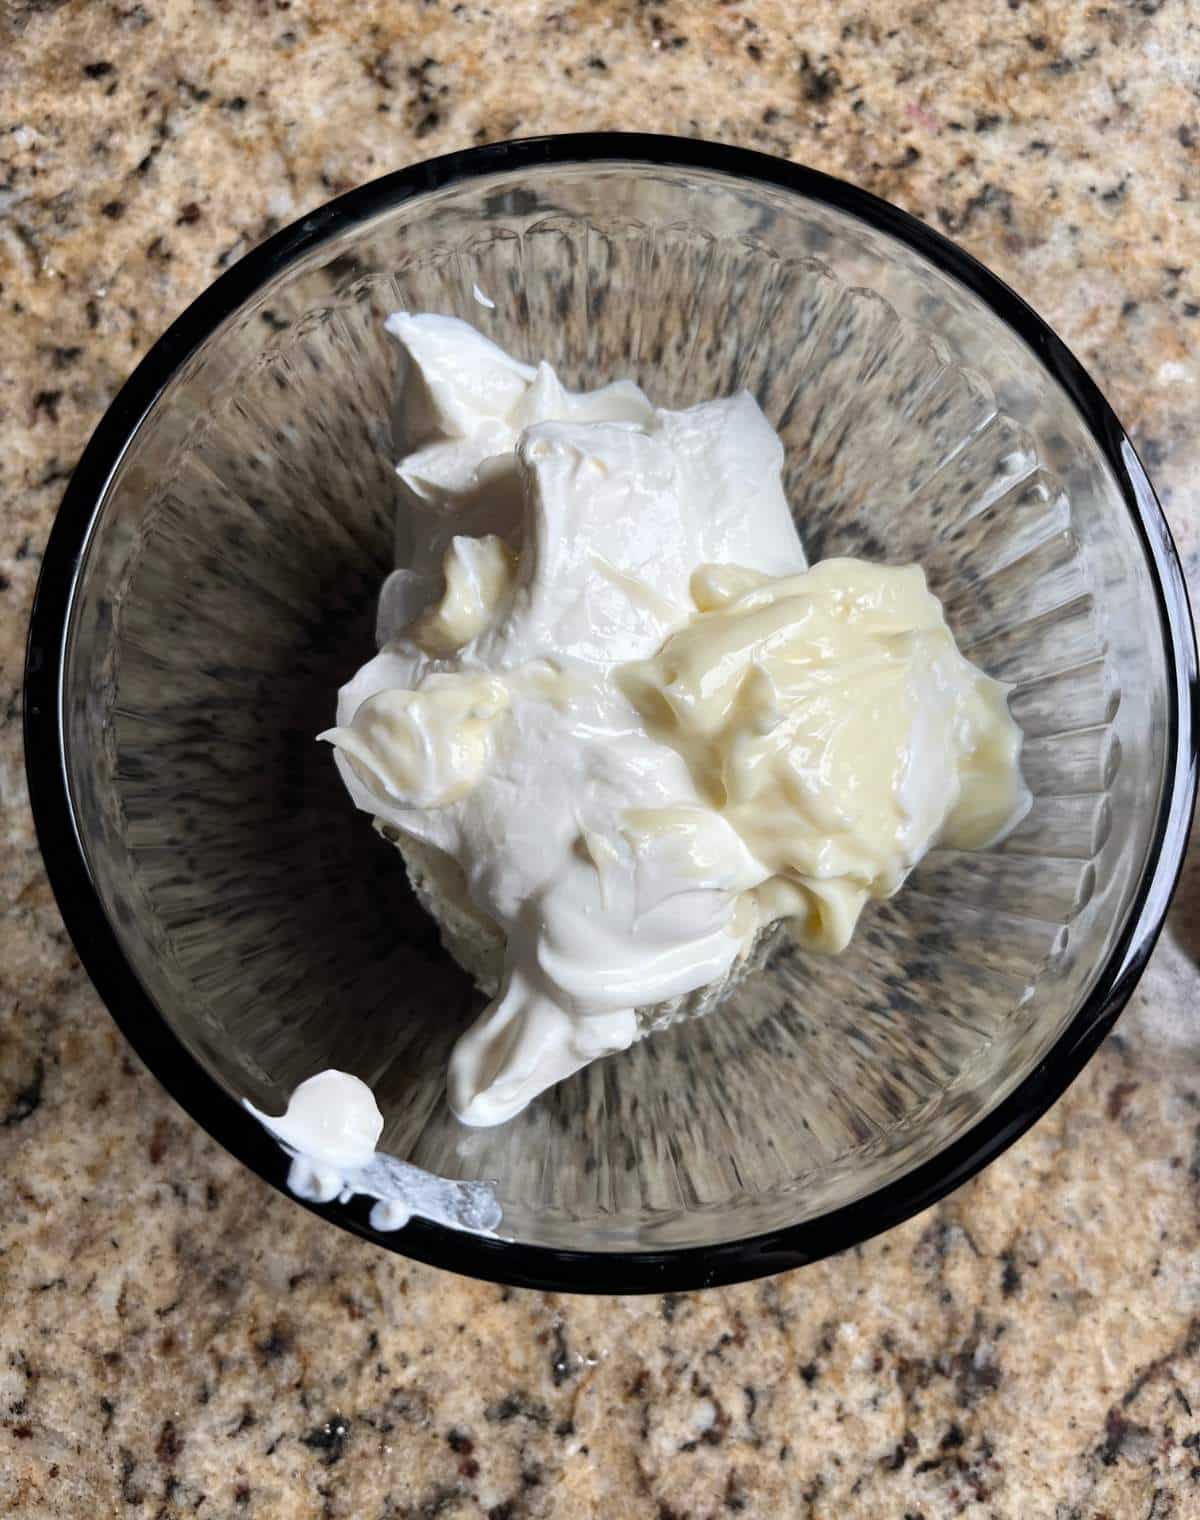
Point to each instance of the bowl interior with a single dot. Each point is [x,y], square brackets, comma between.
[229,589]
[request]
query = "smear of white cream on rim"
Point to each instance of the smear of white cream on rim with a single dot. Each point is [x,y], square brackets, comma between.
[330,1129]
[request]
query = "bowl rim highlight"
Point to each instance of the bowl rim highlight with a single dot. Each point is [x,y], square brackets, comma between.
[219,1112]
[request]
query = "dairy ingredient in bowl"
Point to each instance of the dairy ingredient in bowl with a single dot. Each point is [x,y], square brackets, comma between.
[618,727]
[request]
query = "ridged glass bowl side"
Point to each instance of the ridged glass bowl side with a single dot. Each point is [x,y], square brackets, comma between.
[229,590]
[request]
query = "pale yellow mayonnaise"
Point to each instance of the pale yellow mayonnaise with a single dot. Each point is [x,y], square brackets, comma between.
[829,717]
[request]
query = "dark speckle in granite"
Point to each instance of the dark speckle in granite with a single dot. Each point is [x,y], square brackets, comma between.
[329,1438]
[26,1100]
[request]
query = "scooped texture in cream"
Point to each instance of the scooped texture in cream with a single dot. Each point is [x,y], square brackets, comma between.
[611,690]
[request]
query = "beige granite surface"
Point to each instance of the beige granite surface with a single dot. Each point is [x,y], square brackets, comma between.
[175,1338]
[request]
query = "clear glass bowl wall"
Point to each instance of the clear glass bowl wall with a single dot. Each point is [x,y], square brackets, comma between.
[229,591]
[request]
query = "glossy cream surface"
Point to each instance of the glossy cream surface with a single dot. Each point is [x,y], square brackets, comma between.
[610,688]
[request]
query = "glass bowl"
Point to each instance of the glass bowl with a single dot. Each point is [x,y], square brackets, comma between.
[211,578]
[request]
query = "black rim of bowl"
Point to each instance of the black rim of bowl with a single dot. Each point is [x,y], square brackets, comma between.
[221,1114]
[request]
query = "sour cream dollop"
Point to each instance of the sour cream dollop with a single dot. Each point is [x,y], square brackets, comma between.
[610,688]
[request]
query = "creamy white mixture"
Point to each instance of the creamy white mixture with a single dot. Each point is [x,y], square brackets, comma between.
[609,688]
[331,1128]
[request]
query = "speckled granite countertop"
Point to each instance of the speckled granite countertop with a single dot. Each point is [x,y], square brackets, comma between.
[176,1339]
